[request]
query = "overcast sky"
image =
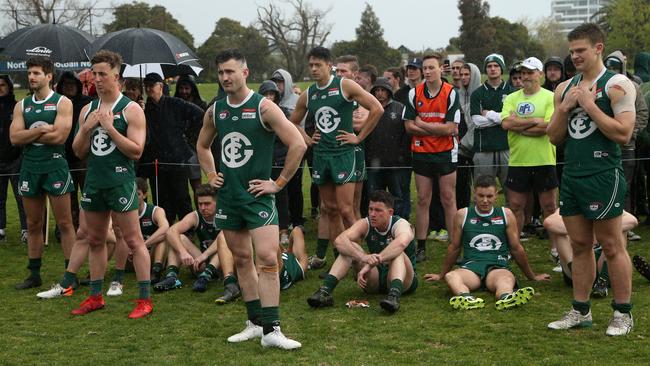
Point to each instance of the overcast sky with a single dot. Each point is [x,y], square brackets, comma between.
[417,24]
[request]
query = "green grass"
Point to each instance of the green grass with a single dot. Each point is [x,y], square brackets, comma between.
[188,328]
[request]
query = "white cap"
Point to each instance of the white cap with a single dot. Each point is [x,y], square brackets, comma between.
[533,63]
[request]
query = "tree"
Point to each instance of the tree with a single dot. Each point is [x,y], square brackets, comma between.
[293,36]
[476,32]
[627,23]
[230,33]
[29,12]
[139,14]
[513,41]
[548,32]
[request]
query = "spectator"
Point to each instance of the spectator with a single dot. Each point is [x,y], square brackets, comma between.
[388,150]
[396,78]
[455,72]
[132,89]
[284,82]
[616,61]
[9,158]
[553,73]
[170,123]
[490,140]
[569,68]
[470,76]
[413,79]
[515,76]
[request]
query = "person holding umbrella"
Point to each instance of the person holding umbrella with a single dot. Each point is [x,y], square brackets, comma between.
[41,124]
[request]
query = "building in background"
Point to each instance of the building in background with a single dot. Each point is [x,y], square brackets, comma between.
[571,13]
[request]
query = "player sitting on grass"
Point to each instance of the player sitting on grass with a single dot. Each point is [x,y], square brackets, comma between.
[388,267]
[293,261]
[183,252]
[488,236]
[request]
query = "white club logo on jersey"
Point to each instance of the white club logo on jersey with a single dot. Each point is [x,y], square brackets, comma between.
[327,119]
[102,144]
[581,126]
[485,242]
[36,125]
[236,150]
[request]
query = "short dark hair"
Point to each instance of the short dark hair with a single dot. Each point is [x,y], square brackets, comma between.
[370,70]
[396,72]
[113,59]
[205,190]
[230,54]
[43,62]
[349,59]
[382,196]
[590,31]
[485,181]
[142,185]
[435,55]
[321,53]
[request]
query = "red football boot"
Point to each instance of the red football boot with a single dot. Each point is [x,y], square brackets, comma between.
[142,308]
[92,303]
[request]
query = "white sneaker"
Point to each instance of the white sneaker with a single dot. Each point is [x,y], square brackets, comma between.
[620,324]
[251,331]
[115,289]
[55,291]
[443,235]
[572,319]
[277,339]
[432,235]
[558,268]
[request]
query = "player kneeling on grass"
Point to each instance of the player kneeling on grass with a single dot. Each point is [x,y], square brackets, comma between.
[293,261]
[183,252]
[388,267]
[488,236]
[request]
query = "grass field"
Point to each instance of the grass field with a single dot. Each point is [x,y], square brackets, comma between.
[188,328]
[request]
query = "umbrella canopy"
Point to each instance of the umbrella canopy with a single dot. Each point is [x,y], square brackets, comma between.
[145,46]
[164,70]
[63,44]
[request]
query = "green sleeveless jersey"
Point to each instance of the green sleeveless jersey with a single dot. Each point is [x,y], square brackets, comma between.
[107,166]
[378,241]
[206,231]
[147,224]
[484,237]
[332,112]
[246,147]
[37,157]
[587,150]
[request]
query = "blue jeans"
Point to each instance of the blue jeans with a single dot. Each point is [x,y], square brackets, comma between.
[397,182]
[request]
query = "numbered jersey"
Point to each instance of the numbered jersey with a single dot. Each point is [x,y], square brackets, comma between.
[246,144]
[484,236]
[38,157]
[587,150]
[206,231]
[107,166]
[332,112]
[147,224]
[378,241]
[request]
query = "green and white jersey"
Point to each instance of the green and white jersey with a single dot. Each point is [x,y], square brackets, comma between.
[587,150]
[147,224]
[38,157]
[246,144]
[108,167]
[378,241]
[484,236]
[206,231]
[332,112]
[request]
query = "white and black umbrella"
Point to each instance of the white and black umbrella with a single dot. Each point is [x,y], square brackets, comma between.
[63,44]
[146,48]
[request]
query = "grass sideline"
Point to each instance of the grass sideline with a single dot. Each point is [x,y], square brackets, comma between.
[189,328]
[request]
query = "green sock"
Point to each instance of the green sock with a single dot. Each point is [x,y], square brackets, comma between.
[270,316]
[321,247]
[34,267]
[336,252]
[582,307]
[68,279]
[144,287]
[118,276]
[330,282]
[67,261]
[397,285]
[625,308]
[209,271]
[172,271]
[254,309]
[96,286]
[229,279]
[157,267]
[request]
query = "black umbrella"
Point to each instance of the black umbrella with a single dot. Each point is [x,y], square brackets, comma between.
[146,46]
[63,44]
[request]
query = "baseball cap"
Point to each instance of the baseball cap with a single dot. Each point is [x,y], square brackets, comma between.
[415,62]
[533,63]
[152,78]
[277,76]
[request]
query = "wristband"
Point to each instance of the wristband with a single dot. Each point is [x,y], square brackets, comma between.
[281,182]
[211,175]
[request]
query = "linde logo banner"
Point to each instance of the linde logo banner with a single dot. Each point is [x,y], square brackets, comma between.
[39,51]
[18,66]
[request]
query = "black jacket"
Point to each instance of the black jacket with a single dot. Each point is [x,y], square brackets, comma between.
[170,124]
[78,102]
[8,152]
[388,144]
